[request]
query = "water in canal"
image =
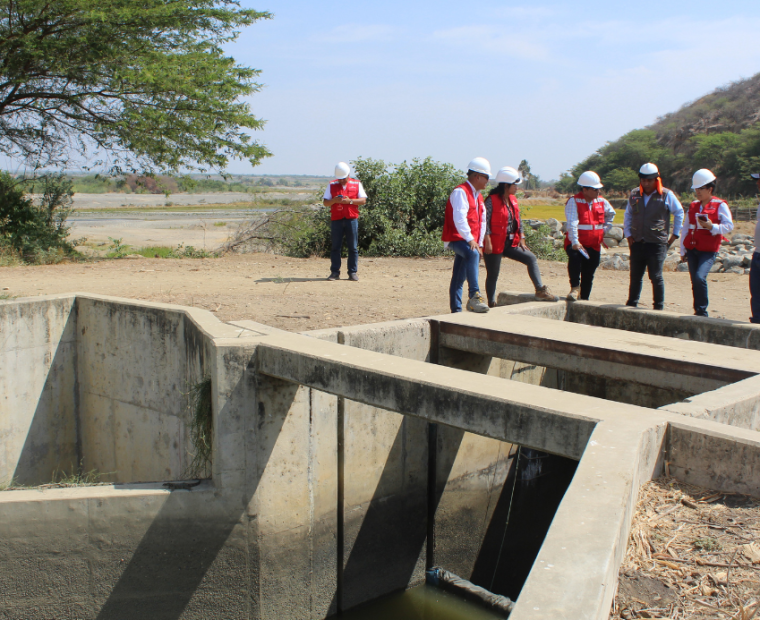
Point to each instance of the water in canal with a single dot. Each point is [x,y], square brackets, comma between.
[421,603]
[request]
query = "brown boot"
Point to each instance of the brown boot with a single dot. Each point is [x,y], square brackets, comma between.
[574,293]
[544,294]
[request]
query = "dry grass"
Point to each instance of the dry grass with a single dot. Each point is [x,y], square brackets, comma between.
[692,553]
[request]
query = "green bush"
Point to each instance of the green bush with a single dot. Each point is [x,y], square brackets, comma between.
[403,215]
[538,242]
[36,233]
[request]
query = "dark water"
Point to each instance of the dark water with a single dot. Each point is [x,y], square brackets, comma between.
[421,603]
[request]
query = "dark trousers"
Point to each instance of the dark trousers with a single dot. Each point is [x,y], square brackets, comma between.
[699,267]
[648,257]
[581,269]
[754,288]
[349,229]
[493,266]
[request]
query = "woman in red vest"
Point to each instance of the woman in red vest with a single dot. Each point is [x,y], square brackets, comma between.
[709,219]
[588,216]
[504,236]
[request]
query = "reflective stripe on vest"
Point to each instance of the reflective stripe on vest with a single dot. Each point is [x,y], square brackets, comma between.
[350,190]
[701,239]
[590,222]
[474,215]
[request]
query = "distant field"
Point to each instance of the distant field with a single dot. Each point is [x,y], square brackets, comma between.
[544,212]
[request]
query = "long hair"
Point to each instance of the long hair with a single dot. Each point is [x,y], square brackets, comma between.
[500,189]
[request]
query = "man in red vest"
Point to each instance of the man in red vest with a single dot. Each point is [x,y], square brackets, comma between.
[344,196]
[464,227]
[588,216]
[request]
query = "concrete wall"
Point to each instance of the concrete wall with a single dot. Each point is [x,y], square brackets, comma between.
[38,390]
[136,367]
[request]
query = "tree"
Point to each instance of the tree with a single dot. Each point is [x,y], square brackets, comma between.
[144,84]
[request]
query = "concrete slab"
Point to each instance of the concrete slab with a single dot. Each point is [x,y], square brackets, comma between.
[651,360]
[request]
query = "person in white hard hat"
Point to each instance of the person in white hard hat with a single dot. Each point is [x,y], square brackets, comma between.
[464,227]
[754,267]
[647,227]
[709,218]
[344,196]
[504,236]
[588,216]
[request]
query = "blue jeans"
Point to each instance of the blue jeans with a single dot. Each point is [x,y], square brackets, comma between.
[349,228]
[754,288]
[465,268]
[699,267]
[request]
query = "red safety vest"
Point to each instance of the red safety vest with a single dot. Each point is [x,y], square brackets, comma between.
[702,239]
[474,215]
[500,216]
[350,190]
[590,222]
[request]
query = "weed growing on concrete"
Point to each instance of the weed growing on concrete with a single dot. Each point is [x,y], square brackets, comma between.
[201,428]
[62,479]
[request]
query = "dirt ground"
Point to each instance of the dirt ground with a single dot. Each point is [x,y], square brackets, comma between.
[292,294]
[691,554]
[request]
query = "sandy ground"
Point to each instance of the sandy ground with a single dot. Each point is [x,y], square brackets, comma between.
[206,230]
[292,294]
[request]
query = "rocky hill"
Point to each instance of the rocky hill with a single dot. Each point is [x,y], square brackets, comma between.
[720,131]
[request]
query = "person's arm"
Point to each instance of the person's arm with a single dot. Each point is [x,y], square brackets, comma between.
[683,248]
[726,221]
[327,198]
[674,206]
[362,199]
[460,207]
[627,222]
[571,223]
[609,215]
[487,247]
[482,225]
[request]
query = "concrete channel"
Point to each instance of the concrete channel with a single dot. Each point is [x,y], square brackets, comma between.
[346,461]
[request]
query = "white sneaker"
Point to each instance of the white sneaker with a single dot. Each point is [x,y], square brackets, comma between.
[476,303]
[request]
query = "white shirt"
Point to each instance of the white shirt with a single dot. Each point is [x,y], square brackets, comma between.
[460,208]
[726,224]
[329,196]
[571,217]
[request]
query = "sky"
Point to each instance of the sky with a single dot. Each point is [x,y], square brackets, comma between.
[546,82]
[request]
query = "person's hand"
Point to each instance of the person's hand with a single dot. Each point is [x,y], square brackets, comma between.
[487,247]
[577,246]
[706,224]
[671,240]
[524,245]
[474,246]
[683,258]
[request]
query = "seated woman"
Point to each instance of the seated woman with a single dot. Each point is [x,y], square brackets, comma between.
[709,219]
[504,236]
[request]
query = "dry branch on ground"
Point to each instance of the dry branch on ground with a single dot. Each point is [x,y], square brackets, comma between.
[692,553]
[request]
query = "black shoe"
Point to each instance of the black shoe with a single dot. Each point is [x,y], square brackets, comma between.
[659,307]
[491,304]
[353,277]
[333,276]
[632,304]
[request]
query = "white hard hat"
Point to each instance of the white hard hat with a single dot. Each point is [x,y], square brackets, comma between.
[508,174]
[481,165]
[649,169]
[342,170]
[590,179]
[755,175]
[701,178]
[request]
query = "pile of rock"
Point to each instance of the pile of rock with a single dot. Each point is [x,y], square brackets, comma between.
[735,256]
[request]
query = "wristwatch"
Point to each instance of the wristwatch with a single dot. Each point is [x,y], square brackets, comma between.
[351,201]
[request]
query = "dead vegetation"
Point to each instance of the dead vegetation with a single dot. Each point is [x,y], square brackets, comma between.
[692,553]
